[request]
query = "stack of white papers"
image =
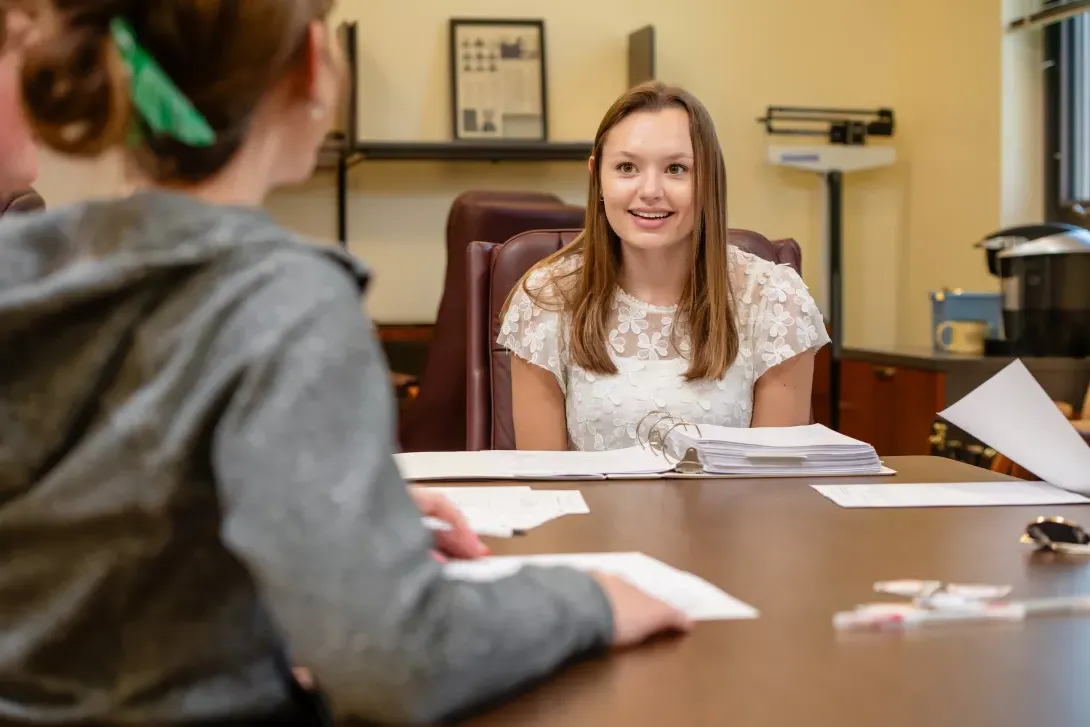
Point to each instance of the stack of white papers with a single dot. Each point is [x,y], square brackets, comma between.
[502,464]
[950,494]
[784,451]
[513,508]
[697,598]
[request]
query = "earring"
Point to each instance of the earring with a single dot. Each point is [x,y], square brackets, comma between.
[317,111]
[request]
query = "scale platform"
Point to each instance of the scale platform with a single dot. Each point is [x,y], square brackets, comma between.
[831,157]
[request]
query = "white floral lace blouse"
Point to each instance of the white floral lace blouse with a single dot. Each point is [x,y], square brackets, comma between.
[777,319]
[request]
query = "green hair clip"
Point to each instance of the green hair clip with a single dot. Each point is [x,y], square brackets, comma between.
[162,105]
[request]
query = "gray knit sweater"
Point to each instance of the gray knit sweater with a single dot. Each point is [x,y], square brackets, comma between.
[196,482]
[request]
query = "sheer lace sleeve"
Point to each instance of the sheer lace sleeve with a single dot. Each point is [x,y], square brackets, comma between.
[534,333]
[785,320]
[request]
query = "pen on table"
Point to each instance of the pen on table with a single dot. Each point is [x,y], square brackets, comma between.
[880,620]
[432,523]
[890,616]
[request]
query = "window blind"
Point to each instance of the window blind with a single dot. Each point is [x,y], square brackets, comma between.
[1040,13]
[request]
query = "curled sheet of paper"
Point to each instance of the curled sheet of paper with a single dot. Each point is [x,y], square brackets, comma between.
[1012,414]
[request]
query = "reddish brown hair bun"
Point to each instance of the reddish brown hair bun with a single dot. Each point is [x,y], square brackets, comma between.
[224,55]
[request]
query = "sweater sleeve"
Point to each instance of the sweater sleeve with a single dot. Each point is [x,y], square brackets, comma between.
[314,506]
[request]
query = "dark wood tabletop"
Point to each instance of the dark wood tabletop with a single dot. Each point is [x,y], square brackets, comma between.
[799,558]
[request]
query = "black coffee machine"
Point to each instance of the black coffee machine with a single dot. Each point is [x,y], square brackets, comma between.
[1044,271]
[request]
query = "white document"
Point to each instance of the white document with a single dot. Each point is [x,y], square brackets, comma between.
[700,600]
[950,494]
[513,507]
[499,464]
[1012,414]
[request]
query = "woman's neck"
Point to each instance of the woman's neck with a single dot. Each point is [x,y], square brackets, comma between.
[655,276]
[243,182]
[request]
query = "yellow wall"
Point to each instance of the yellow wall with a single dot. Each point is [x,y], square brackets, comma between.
[968,139]
[908,229]
[950,91]
[737,57]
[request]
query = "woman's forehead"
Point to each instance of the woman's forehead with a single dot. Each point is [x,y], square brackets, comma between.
[651,134]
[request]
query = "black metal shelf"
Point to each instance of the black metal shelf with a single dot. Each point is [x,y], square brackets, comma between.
[343,150]
[339,155]
[337,149]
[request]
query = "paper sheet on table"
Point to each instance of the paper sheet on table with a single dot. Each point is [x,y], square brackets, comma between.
[515,507]
[950,494]
[1012,414]
[513,464]
[696,597]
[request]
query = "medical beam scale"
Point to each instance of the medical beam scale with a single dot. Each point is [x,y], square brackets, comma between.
[844,149]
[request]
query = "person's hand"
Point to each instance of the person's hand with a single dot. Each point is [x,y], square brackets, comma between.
[458,542]
[638,616]
[303,677]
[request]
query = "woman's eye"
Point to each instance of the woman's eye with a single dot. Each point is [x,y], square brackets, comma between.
[675,169]
[626,167]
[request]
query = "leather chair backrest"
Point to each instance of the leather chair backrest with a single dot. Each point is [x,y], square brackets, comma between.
[492,272]
[784,252]
[435,419]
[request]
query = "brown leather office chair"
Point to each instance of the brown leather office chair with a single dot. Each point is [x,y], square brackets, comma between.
[435,419]
[492,272]
[27,200]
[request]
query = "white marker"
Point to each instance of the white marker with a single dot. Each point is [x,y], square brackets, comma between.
[436,524]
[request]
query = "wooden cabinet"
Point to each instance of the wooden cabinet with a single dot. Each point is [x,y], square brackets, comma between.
[891,396]
[892,407]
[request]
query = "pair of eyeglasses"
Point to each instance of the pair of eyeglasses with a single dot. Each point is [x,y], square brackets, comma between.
[1057,535]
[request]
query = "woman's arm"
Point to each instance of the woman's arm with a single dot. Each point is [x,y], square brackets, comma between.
[786,331]
[313,505]
[532,335]
[537,406]
[781,397]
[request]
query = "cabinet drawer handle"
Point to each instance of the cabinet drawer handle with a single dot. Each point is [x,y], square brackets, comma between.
[885,373]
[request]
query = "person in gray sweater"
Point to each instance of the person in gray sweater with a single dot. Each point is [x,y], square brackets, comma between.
[197,488]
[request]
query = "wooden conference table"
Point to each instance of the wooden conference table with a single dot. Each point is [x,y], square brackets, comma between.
[799,558]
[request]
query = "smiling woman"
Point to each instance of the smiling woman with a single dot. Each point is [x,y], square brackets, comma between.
[651,308]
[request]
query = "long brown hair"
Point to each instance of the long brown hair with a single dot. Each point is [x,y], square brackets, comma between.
[224,55]
[3,24]
[586,290]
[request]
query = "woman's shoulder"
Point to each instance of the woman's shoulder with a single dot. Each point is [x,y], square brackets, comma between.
[750,272]
[550,281]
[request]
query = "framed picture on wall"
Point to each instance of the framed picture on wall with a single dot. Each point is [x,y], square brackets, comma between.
[497,78]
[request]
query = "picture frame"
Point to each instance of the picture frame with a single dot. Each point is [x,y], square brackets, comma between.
[498,80]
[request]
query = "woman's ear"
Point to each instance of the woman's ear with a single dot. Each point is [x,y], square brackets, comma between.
[590,165]
[321,74]
[313,62]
